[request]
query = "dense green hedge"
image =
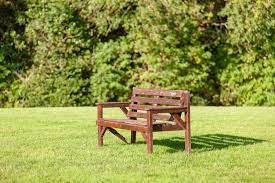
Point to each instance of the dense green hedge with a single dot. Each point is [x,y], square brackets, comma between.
[249,75]
[71,53]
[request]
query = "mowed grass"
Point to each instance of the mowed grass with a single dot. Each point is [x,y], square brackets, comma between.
[229,144]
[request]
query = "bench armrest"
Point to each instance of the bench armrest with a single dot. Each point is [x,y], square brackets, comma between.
[159,109]
[113,104]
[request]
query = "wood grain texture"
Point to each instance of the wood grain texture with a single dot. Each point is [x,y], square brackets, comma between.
[155,92]
[163,101]
[155,116]
[124,110]
[113,131]
[113,104]
[168,110]
[133,137]
[149,133]
[151,105]
[187,133]
[144,136]
[99,128]
[178,120]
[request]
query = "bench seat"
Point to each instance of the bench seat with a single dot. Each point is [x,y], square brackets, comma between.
[148,111]
[141,125]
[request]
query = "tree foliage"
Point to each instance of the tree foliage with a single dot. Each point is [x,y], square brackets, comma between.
[14,54]
[71,53]
[61,56]
[249,75]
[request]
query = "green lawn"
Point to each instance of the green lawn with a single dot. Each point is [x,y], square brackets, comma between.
[229,144]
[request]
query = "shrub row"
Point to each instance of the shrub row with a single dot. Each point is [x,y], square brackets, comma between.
[75,53]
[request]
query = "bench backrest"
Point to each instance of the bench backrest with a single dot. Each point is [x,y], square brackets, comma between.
[142,99]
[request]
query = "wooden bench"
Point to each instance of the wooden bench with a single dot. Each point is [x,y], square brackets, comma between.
[146,114]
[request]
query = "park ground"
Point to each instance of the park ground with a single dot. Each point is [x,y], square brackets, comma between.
[229,144]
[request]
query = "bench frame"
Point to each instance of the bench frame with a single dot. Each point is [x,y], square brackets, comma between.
[153,113]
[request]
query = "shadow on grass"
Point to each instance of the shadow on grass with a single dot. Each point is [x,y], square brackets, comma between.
[208,142]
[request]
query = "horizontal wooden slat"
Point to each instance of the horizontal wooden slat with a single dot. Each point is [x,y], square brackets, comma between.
[156,101]
[157,108]
[140,107]
[155,92]
[136,125]
[169,110]
[122,124]
[166,127]
[155,116]
[130,121]
[114,104]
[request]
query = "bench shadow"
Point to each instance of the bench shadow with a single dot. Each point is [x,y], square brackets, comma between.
[208,142]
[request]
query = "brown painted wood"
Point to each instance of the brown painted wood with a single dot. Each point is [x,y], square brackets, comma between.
[100,128]
[167,93]
[105,122]
[149,142]
[178,120]
[126,121]
[113,104]
[113,131]
[100,138]
[149,133]
[168,110]
[140,107]
[150,105]
[158,108]
[133,137]
[118,124]
[124,110]
[166,127]
[163,101]
[99,112]
[187,133]
[155,116]
[104,129]
[144,136]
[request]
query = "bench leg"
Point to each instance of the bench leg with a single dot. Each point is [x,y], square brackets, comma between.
[100,136]
[149,136]
[133,137]
[187,133]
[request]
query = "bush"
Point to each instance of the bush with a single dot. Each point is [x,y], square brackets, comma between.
[168,40]
[149,44]
[14,53]
[115,65]
[249,75]
[73,53]
[61,70]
